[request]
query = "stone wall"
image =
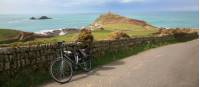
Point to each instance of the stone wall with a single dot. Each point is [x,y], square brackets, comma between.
[14,59]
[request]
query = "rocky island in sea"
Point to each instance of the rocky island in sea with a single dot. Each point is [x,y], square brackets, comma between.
[40,18]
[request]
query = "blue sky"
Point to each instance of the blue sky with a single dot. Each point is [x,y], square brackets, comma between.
[84,6]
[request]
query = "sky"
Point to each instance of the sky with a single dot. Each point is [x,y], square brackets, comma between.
[85,6]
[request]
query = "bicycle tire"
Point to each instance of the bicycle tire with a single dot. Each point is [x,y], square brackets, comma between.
[86,65]
[64,64]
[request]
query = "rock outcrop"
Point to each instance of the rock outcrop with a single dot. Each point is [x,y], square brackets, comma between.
[40,18]
[173,31]
[111,18]
[32,18]
[44,17]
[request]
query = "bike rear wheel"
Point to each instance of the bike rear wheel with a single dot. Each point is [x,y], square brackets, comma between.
[86,64]
[61,70]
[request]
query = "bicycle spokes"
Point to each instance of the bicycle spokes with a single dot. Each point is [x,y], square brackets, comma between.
[61,71]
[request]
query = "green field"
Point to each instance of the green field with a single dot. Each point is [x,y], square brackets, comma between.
[110,23]
[131,30]
[8,34]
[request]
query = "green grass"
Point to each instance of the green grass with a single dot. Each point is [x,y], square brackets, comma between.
[66,38]
[131,30]
[8,34]
[111,56]
[101,34]
[26,78]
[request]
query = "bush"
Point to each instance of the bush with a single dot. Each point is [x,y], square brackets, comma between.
[85,35]
[183,36]
[177,32]
[118,35]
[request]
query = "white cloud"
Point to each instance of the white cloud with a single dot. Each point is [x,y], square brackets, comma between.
[129,1]
[28,6]
[34,6]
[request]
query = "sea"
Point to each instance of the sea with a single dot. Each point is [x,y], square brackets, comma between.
[167,19]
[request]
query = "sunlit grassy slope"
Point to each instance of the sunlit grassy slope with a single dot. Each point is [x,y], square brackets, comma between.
[110,23]
[131,30]
[8,34]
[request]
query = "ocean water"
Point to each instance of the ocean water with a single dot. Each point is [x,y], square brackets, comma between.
[187,19]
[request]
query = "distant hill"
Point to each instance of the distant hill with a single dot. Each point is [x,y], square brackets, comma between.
[115,19]
[101,28]
[9,36]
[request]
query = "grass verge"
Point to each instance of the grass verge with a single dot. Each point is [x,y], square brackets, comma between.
[111,56]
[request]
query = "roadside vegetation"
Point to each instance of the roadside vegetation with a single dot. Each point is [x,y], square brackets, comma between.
[111,56]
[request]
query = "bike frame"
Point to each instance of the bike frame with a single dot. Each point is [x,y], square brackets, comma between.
[63,56]
[76,54]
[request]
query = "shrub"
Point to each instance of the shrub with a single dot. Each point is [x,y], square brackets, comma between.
[176,32]
[164,32]
[85,35]
[118,35]
[184,36]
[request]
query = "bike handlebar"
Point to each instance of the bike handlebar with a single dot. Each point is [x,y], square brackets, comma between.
[71,45]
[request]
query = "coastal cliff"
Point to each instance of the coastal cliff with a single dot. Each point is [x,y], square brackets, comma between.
[107,26]
[9,36]
[115,19]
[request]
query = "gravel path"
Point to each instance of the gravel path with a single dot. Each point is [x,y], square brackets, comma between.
[169,66]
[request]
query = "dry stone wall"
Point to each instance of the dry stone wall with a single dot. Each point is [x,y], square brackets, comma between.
[14,59]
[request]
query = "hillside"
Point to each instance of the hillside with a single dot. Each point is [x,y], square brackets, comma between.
[111,19]
[110,22]
[101,28]
[8,33]
[9,36]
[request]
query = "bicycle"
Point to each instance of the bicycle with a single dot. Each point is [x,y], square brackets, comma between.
[62,68]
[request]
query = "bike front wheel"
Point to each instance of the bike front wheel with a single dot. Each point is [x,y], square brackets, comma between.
[61,70]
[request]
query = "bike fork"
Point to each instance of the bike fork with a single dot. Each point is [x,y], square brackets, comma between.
[62,64]
[76,58]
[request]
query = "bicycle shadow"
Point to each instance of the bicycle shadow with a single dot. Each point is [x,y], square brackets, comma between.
[111,66]
[95,72]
